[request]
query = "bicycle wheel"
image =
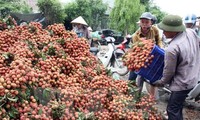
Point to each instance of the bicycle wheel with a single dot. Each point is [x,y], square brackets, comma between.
[118,65]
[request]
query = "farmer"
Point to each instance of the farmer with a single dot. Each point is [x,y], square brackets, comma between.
[146,31]
[80,27]
[181,67]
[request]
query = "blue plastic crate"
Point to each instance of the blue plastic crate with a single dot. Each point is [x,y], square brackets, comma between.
[154,71]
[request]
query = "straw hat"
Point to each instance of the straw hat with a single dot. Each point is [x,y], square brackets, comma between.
[89,28]
[79,20]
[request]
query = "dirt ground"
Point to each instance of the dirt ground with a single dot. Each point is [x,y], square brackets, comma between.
[191,110]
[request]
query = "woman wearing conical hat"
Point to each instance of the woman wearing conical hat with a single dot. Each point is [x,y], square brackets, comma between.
[80,27]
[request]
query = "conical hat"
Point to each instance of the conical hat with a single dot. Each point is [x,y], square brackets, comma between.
[89,28]
[79,20]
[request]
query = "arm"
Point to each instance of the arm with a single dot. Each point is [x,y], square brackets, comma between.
[135,37]
[158,38]
[159,41]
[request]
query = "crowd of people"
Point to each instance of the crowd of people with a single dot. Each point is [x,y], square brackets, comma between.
[182,55]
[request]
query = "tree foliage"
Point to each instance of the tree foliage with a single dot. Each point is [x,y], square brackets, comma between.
[7,6]
[91,10]
[25,8]
[155,10]
[53,11]
[125,14]
[146,3]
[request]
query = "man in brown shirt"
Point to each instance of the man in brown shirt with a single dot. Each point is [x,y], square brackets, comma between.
[153,34]
[146,31]
[181,66]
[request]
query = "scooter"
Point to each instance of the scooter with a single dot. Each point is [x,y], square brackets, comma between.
[111,59]
[194,94]
[125,44]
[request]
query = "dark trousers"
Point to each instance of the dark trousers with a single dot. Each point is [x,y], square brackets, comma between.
[132,75]
[175,104]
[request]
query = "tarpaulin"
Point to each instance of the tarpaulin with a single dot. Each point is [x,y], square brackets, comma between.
[28,17]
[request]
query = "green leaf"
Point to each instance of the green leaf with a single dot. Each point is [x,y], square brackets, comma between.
[13,113]
[13,99]
[40,111]
[44,56]
[109,72]
[30,45]
[57,112]
[81,116]
[46,93]
[98,70]
[84,63]
[9,57]
[50,32]
[62,41]
[90,116]
[64,55]
[2,98]
[5,55]
[51,51]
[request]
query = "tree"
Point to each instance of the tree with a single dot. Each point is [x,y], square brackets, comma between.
[125,14]
[91,10]
[98,9]
[78,8]
[53,11]
[7,6]
[25,8]
[146,3]
[155,10]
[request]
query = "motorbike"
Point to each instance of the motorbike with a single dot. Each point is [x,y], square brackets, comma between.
[194,94]
[111,59]
[125,44]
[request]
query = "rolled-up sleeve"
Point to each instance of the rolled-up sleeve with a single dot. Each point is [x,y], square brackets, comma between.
[171,56]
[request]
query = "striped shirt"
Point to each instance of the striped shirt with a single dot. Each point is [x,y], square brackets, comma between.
[182,61]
